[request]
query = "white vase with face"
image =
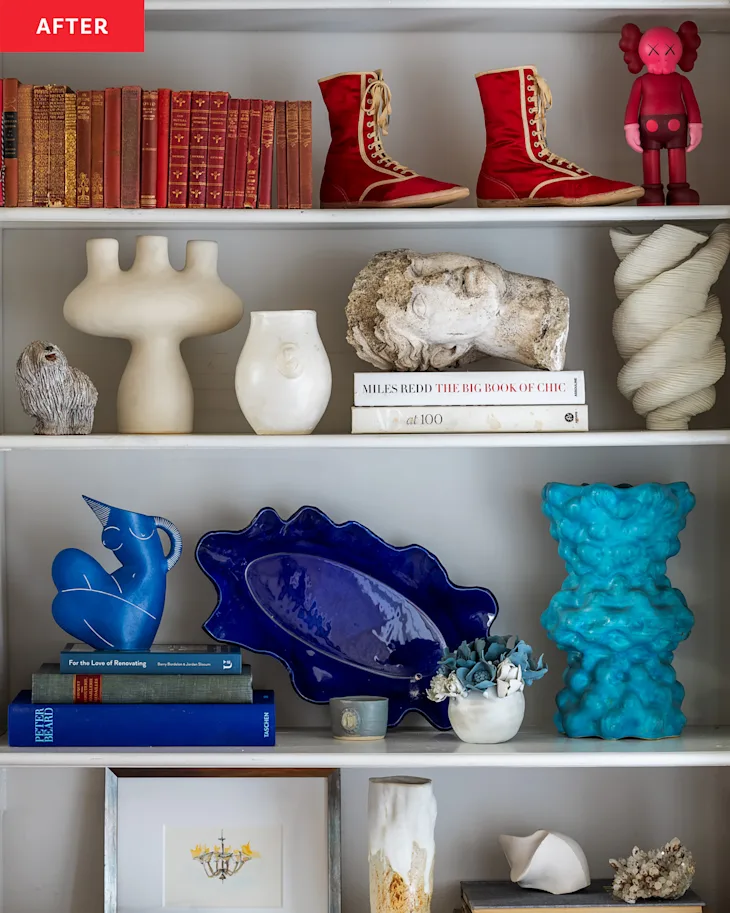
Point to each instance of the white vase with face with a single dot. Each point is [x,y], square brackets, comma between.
[484,718]
[155,307]
[283,377]
[401,823]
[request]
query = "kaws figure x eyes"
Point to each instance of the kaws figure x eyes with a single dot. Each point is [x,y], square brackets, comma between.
[662,112]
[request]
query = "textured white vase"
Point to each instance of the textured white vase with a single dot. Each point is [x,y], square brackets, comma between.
[546,861]
[401,820]
[155,307]
[486,719]
[666,327]
[283,377]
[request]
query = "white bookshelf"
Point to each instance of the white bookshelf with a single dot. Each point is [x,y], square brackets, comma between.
[473,500]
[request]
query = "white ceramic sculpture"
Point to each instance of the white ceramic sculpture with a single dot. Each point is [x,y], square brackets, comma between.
[418,312]
[666,327]
[59,397]
[155,307]
[546,861]
[401,820]
[484,718]
[283,377]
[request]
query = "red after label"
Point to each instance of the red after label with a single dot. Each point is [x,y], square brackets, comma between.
[95,26]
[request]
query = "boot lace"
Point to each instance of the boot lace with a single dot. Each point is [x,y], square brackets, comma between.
[376,105]
[542,100]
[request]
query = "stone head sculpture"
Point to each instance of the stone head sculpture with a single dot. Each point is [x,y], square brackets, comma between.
[417,312]
[155,307]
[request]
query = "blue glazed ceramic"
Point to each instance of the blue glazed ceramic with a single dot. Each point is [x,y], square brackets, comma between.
[121,610]
[345,612]
[617,616]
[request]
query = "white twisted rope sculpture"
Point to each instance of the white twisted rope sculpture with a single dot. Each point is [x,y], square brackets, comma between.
[667,323]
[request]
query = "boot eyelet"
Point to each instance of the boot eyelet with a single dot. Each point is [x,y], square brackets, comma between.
[371,146]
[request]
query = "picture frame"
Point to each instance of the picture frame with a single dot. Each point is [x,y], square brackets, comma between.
[157,819]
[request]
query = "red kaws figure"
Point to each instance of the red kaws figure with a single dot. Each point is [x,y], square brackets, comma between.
[662,112]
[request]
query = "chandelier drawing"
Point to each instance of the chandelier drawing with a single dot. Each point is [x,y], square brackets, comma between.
[223,862]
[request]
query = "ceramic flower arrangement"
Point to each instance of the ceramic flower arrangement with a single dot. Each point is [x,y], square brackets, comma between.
[484,681]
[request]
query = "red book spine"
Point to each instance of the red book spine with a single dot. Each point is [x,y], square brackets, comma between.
[148,195]
[239,189]
[217,149]
[199,131]
[229,172]
[131,129]
[9,132]
[177,184]
[163,145]
[292,154]
[97,149]
[112,148]
[254,154]
[266,167]
[305,154]
[83,149]
[282,197]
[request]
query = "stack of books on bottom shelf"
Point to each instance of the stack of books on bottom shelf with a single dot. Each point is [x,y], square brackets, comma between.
[506,897]
[435,402]
[162,697]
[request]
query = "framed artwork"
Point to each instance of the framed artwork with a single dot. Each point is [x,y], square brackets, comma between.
[230,841]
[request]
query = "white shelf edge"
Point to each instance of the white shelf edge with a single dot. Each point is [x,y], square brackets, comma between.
[183,442]
[702,747]
[365,218]
[649,6]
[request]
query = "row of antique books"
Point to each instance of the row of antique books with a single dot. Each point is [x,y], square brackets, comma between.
[441,402]
[135,148]
[184,695]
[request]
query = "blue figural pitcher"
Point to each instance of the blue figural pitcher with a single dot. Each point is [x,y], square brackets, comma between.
[121,610]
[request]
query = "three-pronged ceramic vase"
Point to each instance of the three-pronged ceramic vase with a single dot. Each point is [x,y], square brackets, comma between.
[155,307]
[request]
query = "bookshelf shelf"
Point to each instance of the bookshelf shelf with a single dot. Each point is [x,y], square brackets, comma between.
[197,442]
[425,15]
[698,747]
[554,217]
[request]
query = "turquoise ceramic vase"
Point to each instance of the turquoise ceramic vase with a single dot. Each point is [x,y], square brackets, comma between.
[617,616]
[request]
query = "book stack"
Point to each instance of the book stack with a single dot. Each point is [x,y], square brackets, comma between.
[435,402]
[165,696]
[135,148]
[506,897]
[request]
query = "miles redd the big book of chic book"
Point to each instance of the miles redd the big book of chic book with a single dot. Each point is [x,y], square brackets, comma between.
[141,725]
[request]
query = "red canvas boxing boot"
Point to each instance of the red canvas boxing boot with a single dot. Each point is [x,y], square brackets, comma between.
[358,173]
[518,168]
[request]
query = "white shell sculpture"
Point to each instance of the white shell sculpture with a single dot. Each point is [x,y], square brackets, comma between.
[666,327]
[59,397]
[418,312]
[155,307]
[546,861]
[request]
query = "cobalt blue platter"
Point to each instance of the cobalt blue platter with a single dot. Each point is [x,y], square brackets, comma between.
[345,612]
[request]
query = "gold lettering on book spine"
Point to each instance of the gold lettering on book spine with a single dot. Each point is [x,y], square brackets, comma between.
[70,150]
[40,146]
[25,145]
[83,179]
[57,145]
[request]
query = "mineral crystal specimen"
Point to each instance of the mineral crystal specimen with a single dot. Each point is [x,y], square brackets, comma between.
[664,873]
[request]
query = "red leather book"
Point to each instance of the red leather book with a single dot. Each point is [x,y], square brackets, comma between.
[56,145]
[199,130]
[41,159]
[97,148]
[9,133]
[305,154]
[177,184]
[112,148]
[25,145]
[229,171]
[148,164]
[239,188]
[217,149]
[131,129]
[266,167]
[292,154]
[163,145]
[254,154]
[282,199]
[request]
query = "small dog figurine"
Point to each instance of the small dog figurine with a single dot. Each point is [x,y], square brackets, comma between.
[60,398]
